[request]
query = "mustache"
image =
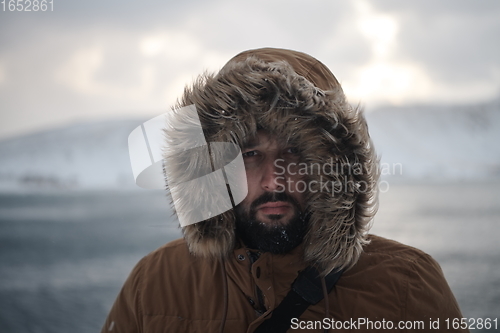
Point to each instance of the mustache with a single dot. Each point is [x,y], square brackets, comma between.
[273,197]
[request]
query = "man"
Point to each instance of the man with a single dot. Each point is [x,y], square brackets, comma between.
[311,173]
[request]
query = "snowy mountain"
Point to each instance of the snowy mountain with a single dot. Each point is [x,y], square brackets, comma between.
[90,155]
[438,142]
[421,142]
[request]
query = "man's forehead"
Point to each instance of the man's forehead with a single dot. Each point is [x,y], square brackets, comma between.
[262,138]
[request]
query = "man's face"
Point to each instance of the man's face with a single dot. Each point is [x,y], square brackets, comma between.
[271,218]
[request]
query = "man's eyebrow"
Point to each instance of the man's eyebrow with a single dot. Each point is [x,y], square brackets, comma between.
[252,143]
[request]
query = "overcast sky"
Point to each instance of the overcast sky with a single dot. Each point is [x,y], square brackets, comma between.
[106,59]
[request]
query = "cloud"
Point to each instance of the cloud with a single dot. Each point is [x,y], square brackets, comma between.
[94,59]
[382,77]
[380,29]
[420,54]
[454,41]
[3,74]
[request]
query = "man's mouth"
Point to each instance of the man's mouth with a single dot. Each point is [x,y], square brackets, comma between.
[274,208]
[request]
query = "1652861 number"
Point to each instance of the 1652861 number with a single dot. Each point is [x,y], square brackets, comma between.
[27,5]
[472,323]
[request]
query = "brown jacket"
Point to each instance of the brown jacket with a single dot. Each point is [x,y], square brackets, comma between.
[172,291]
[187,285]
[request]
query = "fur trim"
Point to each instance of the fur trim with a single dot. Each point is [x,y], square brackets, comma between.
[250,94]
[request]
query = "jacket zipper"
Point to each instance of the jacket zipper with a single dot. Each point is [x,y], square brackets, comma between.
[260,307]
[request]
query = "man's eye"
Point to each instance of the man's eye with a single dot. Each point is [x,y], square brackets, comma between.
[292,150]
[249,153]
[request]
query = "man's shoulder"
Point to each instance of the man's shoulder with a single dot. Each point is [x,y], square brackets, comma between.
[176,246]
[168,257]
[389,259]
[380,246]
[396,282]
[168,253]
[390,273]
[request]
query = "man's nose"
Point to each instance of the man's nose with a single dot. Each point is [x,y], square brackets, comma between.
[271,180]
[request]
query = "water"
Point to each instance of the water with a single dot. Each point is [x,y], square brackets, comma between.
[64,257]
[458,225]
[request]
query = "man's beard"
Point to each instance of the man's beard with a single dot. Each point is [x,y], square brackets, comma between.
[274,237]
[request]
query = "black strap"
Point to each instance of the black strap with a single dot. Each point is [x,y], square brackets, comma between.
[306,290]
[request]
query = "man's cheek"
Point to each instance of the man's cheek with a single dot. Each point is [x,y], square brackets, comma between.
[279,181]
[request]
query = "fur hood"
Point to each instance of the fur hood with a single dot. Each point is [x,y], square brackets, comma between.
[295,95]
